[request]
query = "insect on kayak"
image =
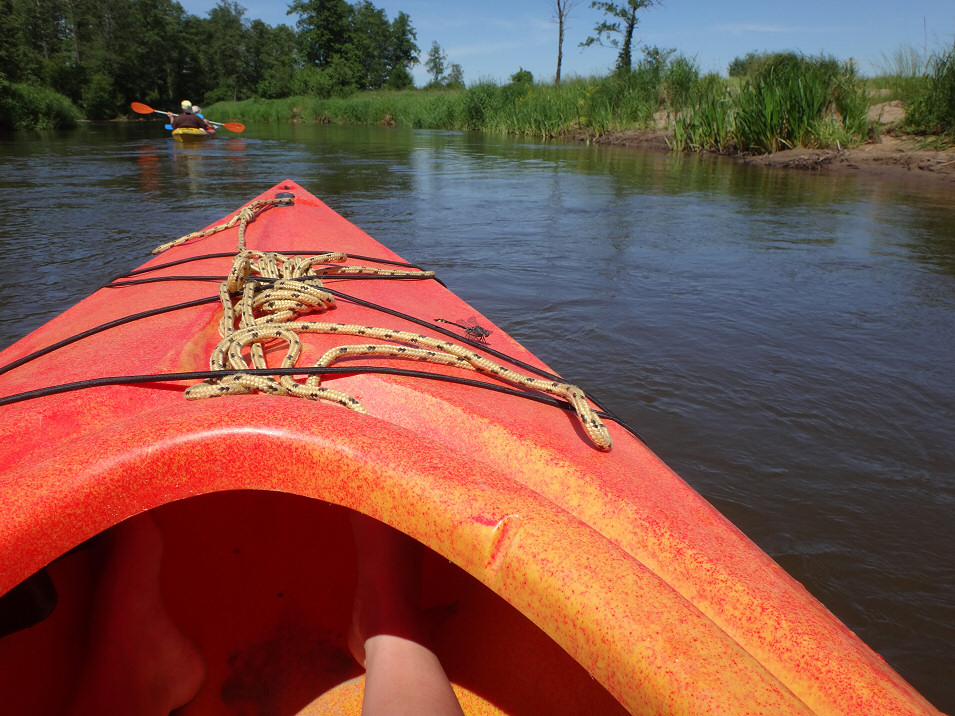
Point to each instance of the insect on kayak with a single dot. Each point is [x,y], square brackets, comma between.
[259,382]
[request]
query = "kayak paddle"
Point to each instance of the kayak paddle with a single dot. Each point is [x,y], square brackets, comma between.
[141,108]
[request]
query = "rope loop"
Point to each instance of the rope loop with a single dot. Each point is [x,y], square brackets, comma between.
[256,313]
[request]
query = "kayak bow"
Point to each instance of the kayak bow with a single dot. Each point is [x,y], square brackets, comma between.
[301,374]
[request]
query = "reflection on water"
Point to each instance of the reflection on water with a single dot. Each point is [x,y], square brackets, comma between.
[783,339]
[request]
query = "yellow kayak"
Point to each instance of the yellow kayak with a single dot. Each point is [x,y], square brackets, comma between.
[191,134]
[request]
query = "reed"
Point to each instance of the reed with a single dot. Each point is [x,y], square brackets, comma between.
[933,110]
[789,100]
[707,121]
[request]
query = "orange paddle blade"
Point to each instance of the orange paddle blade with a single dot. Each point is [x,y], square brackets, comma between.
[234,126]
[141,108]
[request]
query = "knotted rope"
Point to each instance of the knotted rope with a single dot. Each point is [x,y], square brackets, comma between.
[273,294]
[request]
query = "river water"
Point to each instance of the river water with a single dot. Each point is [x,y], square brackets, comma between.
[784,340]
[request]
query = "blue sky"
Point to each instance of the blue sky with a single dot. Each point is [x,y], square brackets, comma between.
[492,39]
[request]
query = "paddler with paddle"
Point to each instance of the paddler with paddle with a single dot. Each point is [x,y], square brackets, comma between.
[141,108]
[188,118]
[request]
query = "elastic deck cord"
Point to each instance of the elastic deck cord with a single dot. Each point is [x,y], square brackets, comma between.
[231,374]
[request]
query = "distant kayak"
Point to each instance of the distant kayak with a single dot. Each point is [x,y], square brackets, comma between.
[264,377]
[192,134]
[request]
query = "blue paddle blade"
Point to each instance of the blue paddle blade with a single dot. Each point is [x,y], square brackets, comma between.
[169,127]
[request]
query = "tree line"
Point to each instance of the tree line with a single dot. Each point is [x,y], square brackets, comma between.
[103,53]
[100,54]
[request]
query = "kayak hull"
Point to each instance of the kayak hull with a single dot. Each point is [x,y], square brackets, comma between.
[188,135]
[596,577]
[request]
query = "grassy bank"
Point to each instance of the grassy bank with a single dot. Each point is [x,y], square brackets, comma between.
[932,110]
[528,109]
[782,101]
[622,101]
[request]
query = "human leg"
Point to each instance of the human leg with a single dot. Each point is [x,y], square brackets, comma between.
[139,661]
[389,635]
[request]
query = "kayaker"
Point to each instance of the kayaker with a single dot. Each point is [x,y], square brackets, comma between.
[188,118]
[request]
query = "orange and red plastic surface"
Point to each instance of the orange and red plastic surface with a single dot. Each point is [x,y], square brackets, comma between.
[559,579]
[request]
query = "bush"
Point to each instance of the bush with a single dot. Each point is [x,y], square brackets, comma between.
[399,79]
[522,77]
[480,102]
[707,124]
[100,98]
[28,107]
[745,66]
[789,100]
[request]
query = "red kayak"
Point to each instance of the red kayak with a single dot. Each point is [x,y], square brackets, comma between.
[259,382]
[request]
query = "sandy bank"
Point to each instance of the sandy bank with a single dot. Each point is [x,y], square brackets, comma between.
[890,156]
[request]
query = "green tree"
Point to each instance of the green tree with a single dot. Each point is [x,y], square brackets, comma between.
[402,52]
[226,52]
[35,36]
[436,63]
[347,47]
[102,54]
[10,47]
[455,78]
[322,28]
[272,57]
[190,53]
[111,56]
[370,37]
[153,52]
[617,32]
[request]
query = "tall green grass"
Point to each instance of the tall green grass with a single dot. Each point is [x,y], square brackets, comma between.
[789,100]
[903,75]
[706,123]
[786,100]
[933,111]
[594,105]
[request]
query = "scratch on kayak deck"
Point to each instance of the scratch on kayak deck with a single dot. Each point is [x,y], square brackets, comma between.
[502,536]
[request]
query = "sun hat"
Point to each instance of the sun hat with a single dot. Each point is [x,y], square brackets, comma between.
[186,106]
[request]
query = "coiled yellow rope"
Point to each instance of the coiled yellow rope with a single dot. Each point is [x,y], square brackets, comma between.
[266,312]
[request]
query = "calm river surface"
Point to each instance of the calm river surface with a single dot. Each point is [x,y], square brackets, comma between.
[784,340]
